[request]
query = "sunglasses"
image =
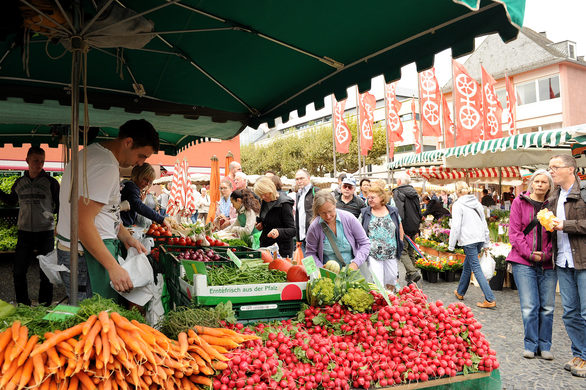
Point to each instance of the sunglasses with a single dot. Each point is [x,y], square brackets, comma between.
[347,186]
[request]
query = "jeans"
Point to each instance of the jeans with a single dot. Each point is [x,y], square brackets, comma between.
[472,264]
[194,217]
[573,292]
[26,245]
[408,258]
[84,289]
[536,288]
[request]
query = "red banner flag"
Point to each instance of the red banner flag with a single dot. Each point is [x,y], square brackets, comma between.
[468,110]
[511,106]
[448,125]
[430,103]
[394,124]
[416,135]
[493,110]
[367,106]
[341,132]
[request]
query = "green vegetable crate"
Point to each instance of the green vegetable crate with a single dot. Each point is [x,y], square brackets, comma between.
[240,251]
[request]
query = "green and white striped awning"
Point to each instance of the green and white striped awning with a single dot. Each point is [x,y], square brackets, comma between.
[430,157]
[517,150]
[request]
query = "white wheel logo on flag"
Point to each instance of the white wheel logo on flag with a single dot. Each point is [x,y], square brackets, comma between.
[490,96]
[394,120]
[366,127]
[492,122]
[429,87]
[431,112]
[468,115]
[341,130]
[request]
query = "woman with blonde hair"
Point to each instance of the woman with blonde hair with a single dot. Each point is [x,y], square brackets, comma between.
[134,191]
[382,225]
[470,231]
[275,218]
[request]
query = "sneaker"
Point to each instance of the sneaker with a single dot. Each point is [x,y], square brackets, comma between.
[546,355]
[486,304]
[580,369]
[460,297]
[528,354]
[572,363]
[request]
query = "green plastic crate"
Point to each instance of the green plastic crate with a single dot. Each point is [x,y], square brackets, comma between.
[267,310]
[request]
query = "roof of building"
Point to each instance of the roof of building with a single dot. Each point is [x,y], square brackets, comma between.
[531,50]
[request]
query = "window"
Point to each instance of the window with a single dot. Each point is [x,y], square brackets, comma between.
[571,51]
[538,90]
[409,117]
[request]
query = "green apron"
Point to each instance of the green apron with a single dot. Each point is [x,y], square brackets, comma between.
[254,236]
[99,277]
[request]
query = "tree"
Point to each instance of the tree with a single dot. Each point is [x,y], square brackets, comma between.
[311,150]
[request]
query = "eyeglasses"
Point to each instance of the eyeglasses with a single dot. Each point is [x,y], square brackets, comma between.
[347,186]
[555,169]
[223,188]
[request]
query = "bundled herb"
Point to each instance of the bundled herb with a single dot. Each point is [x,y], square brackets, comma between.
[185,318]
[32,318]
[236,242]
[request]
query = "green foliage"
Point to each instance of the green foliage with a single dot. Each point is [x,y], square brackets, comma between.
[8,237]
[6,183]
[184,318]
[311,150]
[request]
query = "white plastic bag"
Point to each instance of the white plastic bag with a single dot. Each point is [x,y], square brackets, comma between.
[48,264]
[155,311]
[141,274]
[487,264]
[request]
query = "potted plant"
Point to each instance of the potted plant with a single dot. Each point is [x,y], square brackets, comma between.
[431,267]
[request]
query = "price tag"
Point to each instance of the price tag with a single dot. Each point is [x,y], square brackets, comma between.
[310,266]
[234,258]
[381,289]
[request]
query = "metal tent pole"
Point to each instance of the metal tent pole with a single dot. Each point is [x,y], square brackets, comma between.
[334,135]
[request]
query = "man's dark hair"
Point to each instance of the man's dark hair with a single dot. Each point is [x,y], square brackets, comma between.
[485,191]
[277,181]
[141,132]
[342,176]
[363,180]
[35,150]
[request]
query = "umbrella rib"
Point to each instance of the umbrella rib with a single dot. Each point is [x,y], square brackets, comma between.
[169,32]
[138,15]
[237,26]
[100,12]
[65,14]
[404,41]
[188,58]
[7,52]
[46,16]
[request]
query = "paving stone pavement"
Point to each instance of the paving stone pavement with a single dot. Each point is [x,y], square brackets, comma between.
[502,327]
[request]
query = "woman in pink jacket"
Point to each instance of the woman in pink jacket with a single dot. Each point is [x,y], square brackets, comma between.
[531,258]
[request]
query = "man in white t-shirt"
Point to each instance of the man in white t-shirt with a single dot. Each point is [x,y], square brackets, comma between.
[100,227]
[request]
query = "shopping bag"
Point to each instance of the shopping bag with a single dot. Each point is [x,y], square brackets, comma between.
[487,264]
[155,310]
[48,264]
[141,274]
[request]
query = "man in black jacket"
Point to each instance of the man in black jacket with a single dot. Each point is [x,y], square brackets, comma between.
[407,201]
[37,194]
[304,202]
[347,200]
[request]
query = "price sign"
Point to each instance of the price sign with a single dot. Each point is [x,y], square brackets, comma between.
[381,289]
[310,266]
[234,258]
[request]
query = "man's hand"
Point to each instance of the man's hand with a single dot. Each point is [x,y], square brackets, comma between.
[167,223]
[134,243]
[353,266]
[120,279]
[259,226]
[273,233]
[558,224]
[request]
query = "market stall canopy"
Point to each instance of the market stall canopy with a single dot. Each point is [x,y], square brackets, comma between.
[442,175]
[518,150]
[211,68]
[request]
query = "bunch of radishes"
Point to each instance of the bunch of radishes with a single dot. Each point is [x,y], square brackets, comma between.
[411,340]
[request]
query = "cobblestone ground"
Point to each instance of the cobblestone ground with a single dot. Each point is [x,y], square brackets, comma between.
[502,326]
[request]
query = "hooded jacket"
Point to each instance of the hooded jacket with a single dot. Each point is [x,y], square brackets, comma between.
[522,213]
[436,209]
[278,215]
[407,202]
[468,222]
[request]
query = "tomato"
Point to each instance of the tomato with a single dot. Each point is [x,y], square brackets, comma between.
[199,242]
[181,241]
[233,249]
[150,231]
[156,233]
[167,233]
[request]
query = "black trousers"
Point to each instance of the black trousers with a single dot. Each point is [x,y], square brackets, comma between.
[28,246]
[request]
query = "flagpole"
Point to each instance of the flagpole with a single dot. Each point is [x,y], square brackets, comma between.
[358,130]
[455,121]
[420,112]
[387,127]
[443,123]
[334,134]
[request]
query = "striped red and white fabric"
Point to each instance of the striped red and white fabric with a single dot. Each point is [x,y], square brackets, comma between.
[190,205]
[177,197]
[442,173]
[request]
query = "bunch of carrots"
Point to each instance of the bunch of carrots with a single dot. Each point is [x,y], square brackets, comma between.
[110,352]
